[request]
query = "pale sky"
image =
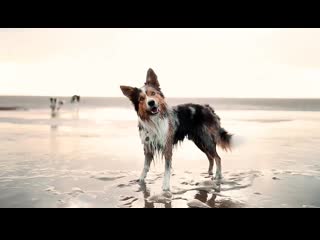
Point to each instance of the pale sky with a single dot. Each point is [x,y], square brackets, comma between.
[189,62]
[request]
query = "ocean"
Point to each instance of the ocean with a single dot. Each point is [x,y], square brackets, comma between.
[91,154]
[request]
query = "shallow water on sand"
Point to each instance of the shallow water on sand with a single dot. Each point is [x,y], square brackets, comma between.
[92,159]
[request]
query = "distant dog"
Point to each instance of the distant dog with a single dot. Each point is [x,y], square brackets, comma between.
[55,105]
[161,127]
[75,99]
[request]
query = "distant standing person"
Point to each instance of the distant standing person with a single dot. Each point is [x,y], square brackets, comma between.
[55,105]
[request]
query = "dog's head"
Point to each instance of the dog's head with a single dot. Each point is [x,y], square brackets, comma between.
[75,99]
[149,100]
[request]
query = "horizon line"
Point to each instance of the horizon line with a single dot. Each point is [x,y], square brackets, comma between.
[88,96]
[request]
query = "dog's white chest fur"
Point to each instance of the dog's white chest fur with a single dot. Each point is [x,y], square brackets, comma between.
[154,133]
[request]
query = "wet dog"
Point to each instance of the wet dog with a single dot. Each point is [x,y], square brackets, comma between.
[161,127]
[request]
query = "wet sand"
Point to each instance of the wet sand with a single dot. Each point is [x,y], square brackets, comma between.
[190,190]
[67,163]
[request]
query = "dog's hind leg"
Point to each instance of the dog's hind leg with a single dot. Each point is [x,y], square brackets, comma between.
[211,164]
[211,151]
[148,157]
[219,168]
[208,149]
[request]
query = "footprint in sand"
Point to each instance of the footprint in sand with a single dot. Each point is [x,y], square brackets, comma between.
[122,185]
[75,191]
[127,201]
[52,190]
[125,198]
[106,179]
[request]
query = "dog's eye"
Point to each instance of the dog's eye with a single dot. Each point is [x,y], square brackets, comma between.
[141,99]
[153,93]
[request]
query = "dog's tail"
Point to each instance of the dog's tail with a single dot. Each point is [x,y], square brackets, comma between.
[224,139]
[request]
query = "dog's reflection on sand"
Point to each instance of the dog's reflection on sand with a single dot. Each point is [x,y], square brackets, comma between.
[54,127]
[203,197]
[212,199]
[205,194]
[200,195]
[146,194]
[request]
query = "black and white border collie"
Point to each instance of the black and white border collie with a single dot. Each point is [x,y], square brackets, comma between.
[75,99]
[161,127]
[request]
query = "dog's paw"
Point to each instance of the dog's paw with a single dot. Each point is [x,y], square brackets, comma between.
[167,194]
[166,188]
[142,181]
[218,177]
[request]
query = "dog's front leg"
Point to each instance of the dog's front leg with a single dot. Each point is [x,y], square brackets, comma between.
[148,157]
[167,175]
[167,171]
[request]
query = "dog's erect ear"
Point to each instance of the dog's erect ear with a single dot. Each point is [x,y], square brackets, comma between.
[129,92]
[152,79]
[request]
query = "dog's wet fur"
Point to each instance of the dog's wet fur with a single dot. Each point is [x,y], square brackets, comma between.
[161,127]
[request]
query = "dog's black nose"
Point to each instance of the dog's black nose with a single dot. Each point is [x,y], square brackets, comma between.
[151,103]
